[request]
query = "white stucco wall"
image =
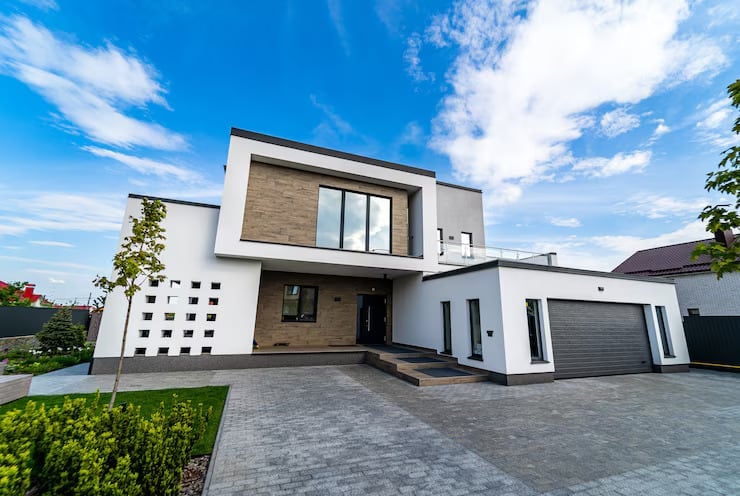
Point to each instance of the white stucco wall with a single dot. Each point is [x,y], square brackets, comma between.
[188,256]
[709,295]
[241,150]
[502,291]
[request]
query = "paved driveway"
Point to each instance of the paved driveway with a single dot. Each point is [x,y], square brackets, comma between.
[355,430]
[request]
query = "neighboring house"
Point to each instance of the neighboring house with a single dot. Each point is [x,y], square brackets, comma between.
[698,289]
[319,249]
[28,294]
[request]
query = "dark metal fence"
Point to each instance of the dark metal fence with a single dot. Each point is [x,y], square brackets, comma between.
[26,321]
[713,339]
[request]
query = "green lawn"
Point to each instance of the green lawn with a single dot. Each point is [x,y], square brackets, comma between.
[212,396]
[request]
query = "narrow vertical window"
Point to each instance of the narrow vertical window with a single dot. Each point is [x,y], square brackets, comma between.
[446,328]
[663,328]
[535,329]
[466,244]
[329,219]
[476,344]
[355,222]
[379,224]
[440,241]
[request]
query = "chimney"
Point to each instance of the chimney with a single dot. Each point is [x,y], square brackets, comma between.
[725,237]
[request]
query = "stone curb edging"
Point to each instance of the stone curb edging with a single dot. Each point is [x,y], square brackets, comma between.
[214,453]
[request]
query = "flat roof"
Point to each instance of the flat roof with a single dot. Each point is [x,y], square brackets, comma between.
[458,186]
[170,200]
[274,140]
[546,268]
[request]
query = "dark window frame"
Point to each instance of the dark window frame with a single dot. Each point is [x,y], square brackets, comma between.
[151,299]
[163,350]
[473,354]
[209,333]
[693,311]
[537,355]
[188,333]
[166,333]
[139,351]
[192,300]
[147,315]
[446,327]
[143,333]
[298,307]
[367,219]
[206,350]
[662,316]
[194,284]
[440,241]
[185,350]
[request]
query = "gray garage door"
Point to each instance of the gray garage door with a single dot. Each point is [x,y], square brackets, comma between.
[591,339]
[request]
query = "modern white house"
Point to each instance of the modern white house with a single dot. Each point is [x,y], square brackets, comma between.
[319,256]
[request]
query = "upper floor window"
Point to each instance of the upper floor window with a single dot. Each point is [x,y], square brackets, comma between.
[440,241]
[353,221]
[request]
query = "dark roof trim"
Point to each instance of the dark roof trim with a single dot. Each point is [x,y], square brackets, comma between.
[273,140]
[545,268]
[169,200]
[466,188]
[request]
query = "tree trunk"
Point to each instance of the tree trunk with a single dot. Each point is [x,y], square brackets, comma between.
[120,359]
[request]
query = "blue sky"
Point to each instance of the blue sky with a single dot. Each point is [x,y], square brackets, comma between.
[589,125]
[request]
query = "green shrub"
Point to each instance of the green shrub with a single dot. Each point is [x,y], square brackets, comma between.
[60,334]
[34,362]
[81,448]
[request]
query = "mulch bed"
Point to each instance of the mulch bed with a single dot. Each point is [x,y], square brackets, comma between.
[194,476]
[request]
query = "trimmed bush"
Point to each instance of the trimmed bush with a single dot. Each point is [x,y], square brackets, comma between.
[60,334]
[81,448]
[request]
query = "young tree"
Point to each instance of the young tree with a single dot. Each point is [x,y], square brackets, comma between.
[725,217]
[12,295]
[136,262]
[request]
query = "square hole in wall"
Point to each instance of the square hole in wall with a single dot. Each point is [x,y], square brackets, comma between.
[174,284]
[195,284]
[151,299]
[208,333]
[190,317]
[206,350]
[140,351]
[185,350]
[193,300]
[187,333]
[211,317]
[146,315]
[167,333]
[213,301]
[215,285]
[162,351]
[172,300]
[169,316]
[143,333]
[153,283]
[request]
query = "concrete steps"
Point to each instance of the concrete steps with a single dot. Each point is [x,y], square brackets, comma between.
[422,368]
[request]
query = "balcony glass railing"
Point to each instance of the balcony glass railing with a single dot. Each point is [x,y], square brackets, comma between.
[460,254]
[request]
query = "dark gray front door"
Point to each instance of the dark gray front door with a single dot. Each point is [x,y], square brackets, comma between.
[593,338]
[371,315]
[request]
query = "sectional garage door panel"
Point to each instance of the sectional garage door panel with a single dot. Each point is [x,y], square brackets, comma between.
[592,338]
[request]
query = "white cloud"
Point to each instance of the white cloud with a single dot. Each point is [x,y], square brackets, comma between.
[565,221]
[64,265]
[626,245]
[146,165]
[59,212]
[45,5]
[714,125]
[59,244]
[660,130]
[413,61]
[618,164]
[333,121]
[92,87]
[523,87]
[56,281]
[618,121]
[337,19]
[658,207]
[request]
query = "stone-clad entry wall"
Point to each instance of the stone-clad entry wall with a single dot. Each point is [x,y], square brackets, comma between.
[282,205]
[336,321]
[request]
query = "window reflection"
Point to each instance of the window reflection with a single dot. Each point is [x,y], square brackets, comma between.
[329,218]
[355,212]
[380,224]
[353,221]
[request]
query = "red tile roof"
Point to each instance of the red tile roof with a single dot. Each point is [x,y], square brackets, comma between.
[666,260]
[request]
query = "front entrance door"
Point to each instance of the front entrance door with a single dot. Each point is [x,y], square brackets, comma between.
[371,316]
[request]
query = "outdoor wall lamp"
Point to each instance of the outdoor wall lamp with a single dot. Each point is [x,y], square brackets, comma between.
[489,332]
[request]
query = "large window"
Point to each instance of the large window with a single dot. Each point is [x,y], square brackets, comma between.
[299,303]
[663,327]
[535,331]
[353,221]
